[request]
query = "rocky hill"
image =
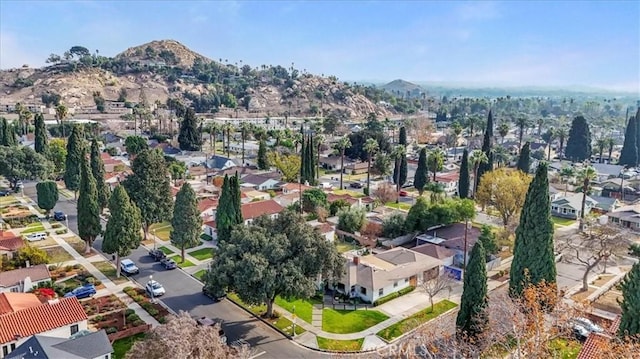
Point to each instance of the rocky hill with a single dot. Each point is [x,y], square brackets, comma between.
[402,87]
[167,69]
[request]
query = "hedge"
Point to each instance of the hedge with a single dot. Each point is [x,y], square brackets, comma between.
[393,295]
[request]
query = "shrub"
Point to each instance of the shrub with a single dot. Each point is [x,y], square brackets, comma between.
[98,318]
[111,330]
[392,296]
[52,268]
[128,312]
[76,266]
[68,268]
[96,282]
[137,323]
[90,280]
[162,320]
[61,231]
[132,318]
[56,225]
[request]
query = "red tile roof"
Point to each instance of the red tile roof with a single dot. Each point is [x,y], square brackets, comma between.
[256,209]
[211,223]
[206,204]
[12,302]
[295,187]
[11,243]
[331,197]
[41,318]
[592,348]
[447,177]
[7,235]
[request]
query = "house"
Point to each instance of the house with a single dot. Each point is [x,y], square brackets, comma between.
[9,244]
[452,237]
[449,181]
[373,276]
[626,217]
[253,210]
[23,315]
[84,345]
[220,163]
[356,168]
[207,207]
[285,200]
[261,183]
[251,195]
[326,229]
[570,206]
[331,163]
[293,188]
[605,204]
[209,227]
[606,171]
[613,188]
[23,280]
[111,164]
[438,252]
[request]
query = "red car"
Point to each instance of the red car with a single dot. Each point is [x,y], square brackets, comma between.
[403,193]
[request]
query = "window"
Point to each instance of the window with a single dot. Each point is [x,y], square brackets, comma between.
[13,346]
[395,284]
[5,350]
[363,290]
[406,280]
[74,329]
[381,292]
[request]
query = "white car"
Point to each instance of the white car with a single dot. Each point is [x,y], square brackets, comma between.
[154,288]
[128,267]
[34,237]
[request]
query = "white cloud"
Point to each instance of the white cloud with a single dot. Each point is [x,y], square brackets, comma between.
[14,53]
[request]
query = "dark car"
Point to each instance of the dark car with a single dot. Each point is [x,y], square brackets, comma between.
[355,185]
[4,193]
[168,263]
[59,216]
[157,255]
[85,291]
[208,322]
[211,293]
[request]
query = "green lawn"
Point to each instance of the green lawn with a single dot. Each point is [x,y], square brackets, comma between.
[161,230]
[562,221]
[8,200]
[340,345]
[202,253]
[110,271]
[122,346]
[33,228]
[344,246]
[178,259]
[286,326]
[416,320]
[166,250]
[303,307]
[565,349]
[281,323]
[401,206]
[255,309]
[350,321]
[199,274]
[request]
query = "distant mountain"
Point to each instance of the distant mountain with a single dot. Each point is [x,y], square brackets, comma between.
[401,87]
[476,90]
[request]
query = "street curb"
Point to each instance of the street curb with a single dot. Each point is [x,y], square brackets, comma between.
[261,319]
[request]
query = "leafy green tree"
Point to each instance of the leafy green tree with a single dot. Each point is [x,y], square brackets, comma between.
[524,160]
[20,162]
[89,226]
[630,321]
[263,161]
[57,154]
[579,142]
[371,146]
[351,220]
[186,221]
[228,213]
[487,147]
[149,188]
[394,226]
[47,195]
[463,181]
[473,318]
[488,239]
[382,164]
[533,257]
[342,145]
[312,199]
[435,161]
[417,213]
[189,137]
[337,206]
[8,134]
[135,145]
[41,140]
[75,158]
[33,255]
[97,169]
[629,153]
[177,169]
[122,233]
[421,177]
[273,257]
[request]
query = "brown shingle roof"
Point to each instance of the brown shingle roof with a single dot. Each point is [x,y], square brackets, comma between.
[41,318]
[256,209]
[434,251]
[11,243]
[14,277]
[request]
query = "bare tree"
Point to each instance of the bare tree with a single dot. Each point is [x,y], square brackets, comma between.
[593,246]
[385,193]
[436,285]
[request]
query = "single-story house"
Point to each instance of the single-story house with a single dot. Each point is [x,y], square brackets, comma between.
[356,168]
[452,237]
[207,207]
[326,229]
[331,163]
[374,276]
[111,164]
[438,252]
[84,345]
[605,204]
[606,171]
[449,180]
[285,200]
[253,210]
[220,163]
[22,280]
[23,315]
[9,244]
[209,227]
[626,217]
[571,206]
[261,183]
[293,187]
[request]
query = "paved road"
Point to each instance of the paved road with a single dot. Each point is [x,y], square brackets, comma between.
[185,293]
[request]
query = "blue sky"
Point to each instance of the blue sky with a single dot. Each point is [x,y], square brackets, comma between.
[512,43]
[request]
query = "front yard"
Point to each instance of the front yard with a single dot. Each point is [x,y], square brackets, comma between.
[401,205]
[562,222]
[202,254]
[109,270]
[281,322]
[178,259]
[161,230]
[303,307]
[416,320]
[350,321]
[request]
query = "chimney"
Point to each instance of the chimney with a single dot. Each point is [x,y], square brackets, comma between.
[356,260]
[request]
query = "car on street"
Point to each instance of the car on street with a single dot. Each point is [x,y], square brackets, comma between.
[168,263]
[403,193]
[4,193]
[86,291]
[154,289]
[157,255]
[355,185]
[34,237]
[59,216]
[582,327]
[208,322]
[408,184]
[128,267]
[213,294]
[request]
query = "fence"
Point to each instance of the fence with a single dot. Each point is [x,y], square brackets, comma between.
[129,332]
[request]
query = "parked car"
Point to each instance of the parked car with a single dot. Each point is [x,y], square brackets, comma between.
[128,267]
[154,288]
[86,291]
[582,327]
[355,185]
[212,294]
[208,322]
[59,216]
[408,184]
[403,193]
[34,237]
[4,193]
[157,255]
[168,263]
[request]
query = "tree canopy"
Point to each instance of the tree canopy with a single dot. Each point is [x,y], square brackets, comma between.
[75,157]
[473,318]
[579,142]
[629,153]
[47,193]
[508,203]
[630,321]
[122,233]
[524,159]
[190,137]
[21,162]
[41,144]
[135,144]
[186,222]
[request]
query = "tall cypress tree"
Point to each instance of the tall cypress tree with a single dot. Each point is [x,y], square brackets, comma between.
[186,222]
[463,181]
[97,168]
[123,228]
[524,160]
[402,136]
[421,177]
[190,137]
[8,134]
[225,211]
[311,161]
[487,148]
[473,318]
[533,258]
[235,196]
[579,143]
[402,164]
[2,124]
[75,156]
[41,140]
[638,133]
[89,226]
[263,162]
[629,153]
[630,321]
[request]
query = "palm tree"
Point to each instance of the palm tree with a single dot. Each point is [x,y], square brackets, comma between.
[398,153]
[501,155]
[435,161]
[61,114]
[552,136]
[503,130]
[477,157]
[456,129]
[540,122]
[565,174]
[522,123]
[244,129]
[227,128]
[610,143]
[586,175]
[371,146]
[472,123]
[601,144]
[342,145]
[562,134]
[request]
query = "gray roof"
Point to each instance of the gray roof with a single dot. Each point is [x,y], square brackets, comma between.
[573,200]
[607,169]
[14,277]
[256,179]
[89,346]
[605,203]
[219,162]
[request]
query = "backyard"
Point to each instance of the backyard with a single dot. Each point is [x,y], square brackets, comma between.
[122,346]
[416,320]
[345,246]
[350,321]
